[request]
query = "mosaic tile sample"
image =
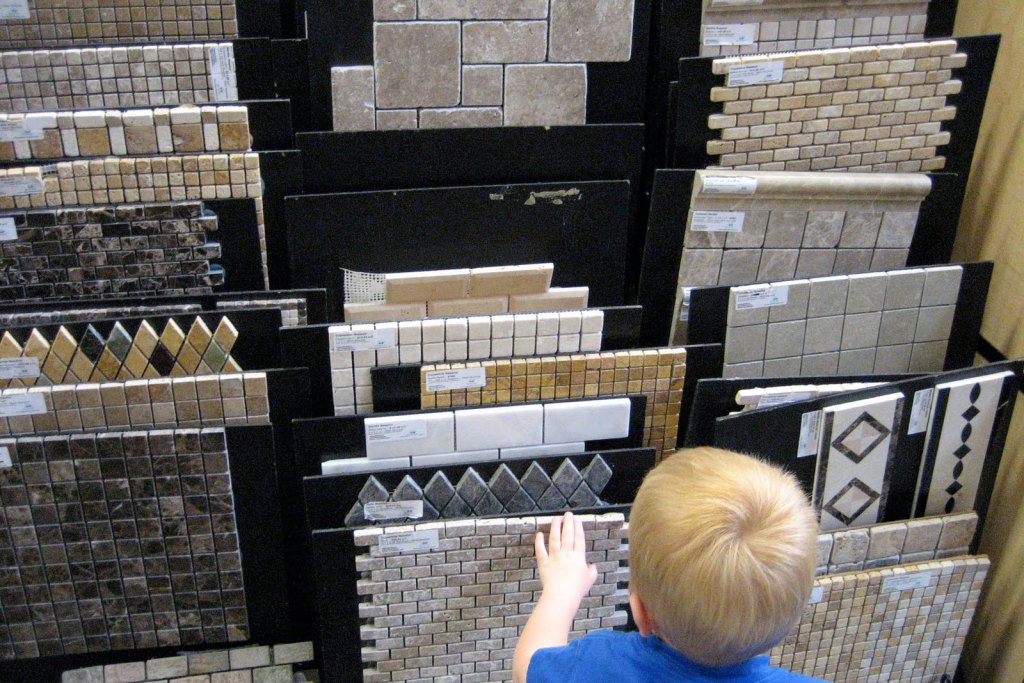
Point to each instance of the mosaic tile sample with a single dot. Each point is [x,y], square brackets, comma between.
[453,64]
[751,399]
[114,251]
[887,322]
[873,109]
[778,25]
[267,664]
[180,130]
[488,567]
[658,374]
[451,339]
[78,22]
[855,460]
[795,225]
[958,441]
[867,626]
[210,401]
[80,78]
[293,311]
[117,541]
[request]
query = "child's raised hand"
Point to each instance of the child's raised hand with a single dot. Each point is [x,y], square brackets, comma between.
[563,564]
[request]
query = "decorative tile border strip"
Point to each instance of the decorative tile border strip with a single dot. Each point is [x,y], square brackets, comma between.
[293,311]
[165,570]
[210,401]
[658,374]
[181,130]
[81,78]
[118,250]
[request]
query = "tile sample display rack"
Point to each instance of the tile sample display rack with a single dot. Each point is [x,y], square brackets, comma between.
[596,54]
[912,320]
[355,569]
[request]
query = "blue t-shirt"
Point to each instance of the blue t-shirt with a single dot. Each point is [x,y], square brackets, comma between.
[616,656]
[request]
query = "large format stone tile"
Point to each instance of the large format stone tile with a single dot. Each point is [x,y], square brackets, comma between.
[418,64]
[545,94]
[352,98]
[591,30]
[483,9]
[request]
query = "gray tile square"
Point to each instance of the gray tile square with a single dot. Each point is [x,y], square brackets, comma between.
[785,339]
[866,293]
[745,343]
[823,334]
[815,262]
[777,264]
[739,266]
[782,367]
[597,474]
[934,323]
[892,359]
[823,229]
[857,362]
[820,364]
[567,478]
[439,490]
[785,229]
[904,289]
[535,480]
[860,330]
[828,296]
[941,285]
[796,305]
[897,327]
[754,225]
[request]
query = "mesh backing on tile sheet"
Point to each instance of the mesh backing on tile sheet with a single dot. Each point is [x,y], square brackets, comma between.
[363,288]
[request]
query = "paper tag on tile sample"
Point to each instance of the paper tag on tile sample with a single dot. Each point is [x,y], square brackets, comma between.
[20,184]
[810,425]
[396,431]
[764,297]
[921,410]
[717,221]
[410,542]
[736,3]
[16,405]
[758,73]
[14,9]
[7,230]
[730,34]
[364,340]
[222,73]
[5,457]
[19,368]
[399,509]
[907,582]
[730,184]
[769,400]
[466,378]
[11,131]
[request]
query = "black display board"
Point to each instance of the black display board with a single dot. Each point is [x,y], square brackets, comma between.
[281,172]
[702,362]
[239,237]
[291,74]
[258,18]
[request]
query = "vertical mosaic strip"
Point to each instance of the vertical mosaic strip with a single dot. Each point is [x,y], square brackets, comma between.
[870,109]
[117,541]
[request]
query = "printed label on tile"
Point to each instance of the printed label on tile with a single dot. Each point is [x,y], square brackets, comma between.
[5,457]
[19,368]
[730,184]
[730,34]
[781,399]
[22,404]
[400,509]
[466,378]
[756,74]
[773,295]
[921,411]
[222,73]
[396,431]
[7,230]
[21,184]
[684,307]
[810,426]
[717,221]
[364,340]
[11,131]
[816,595]
[736,3]
[14,9]
[907,582]
[410,542]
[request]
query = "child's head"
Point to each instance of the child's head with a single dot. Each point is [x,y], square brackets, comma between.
[722,553]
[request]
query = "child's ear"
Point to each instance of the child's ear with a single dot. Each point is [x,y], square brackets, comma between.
[644,621]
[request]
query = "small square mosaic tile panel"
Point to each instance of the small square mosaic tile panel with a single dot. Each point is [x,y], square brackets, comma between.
[488,569]
[658,374]
[117,541]
[80,78]
[871,109]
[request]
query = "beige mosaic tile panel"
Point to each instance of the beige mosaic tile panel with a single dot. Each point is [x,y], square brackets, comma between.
[472,596]
[872,109]
[776,25]
[658,374]
[82,78]
[84,22]
[905,623]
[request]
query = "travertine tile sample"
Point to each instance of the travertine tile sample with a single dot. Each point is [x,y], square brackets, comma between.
[78,78]
[778,25]
[490,574]
[745,227]
[886,322]
[354,349]
[658,374]
[123,250]
[874,109]
[905,623]
[119,540]
[78,22]
[184,129]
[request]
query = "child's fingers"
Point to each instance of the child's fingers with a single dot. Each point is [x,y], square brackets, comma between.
[568,532]
[592,573]
[538,546]
[555,537]
[579,537]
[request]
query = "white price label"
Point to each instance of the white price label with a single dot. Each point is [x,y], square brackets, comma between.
[14,9]
[5,457]
[364,340]
[19,368]
[16,405]
[10,131]
[222,73]
[769,400]
[736,3]
[717,221]
[907,582]
[730,184]
[410,542]
[20,184]
[765,297]
[730,34]
[758,73]
[445,380]
[399,509]
[816,595]
[7,230]
[810,423]
[396,431]
[921,411]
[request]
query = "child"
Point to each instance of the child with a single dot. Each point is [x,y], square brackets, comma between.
[722,554]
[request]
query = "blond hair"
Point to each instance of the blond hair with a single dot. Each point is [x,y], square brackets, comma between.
[723,548]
